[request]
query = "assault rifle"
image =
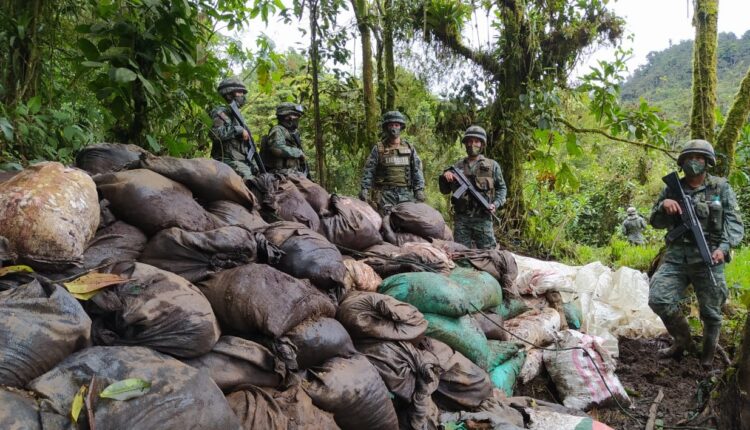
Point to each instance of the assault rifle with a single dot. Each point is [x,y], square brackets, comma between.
[252,152]
[690,222]
[465,186]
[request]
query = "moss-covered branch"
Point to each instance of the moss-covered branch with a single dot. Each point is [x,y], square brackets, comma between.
[725,142]
[702,121]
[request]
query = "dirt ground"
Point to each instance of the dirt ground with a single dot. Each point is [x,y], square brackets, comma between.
[684,384]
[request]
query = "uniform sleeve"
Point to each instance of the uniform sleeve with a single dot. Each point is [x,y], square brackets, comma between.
[223,130]
[278,147]
[658,218]
[733,230]
[624,228]
[417,176]
[642,222]
[501,191]
[368,174]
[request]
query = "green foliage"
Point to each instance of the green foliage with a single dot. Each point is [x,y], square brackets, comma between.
[738,275]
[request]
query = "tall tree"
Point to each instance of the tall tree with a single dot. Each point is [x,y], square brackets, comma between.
[364,22]
[730,131]
[705,20]
[389,64]
[320,154]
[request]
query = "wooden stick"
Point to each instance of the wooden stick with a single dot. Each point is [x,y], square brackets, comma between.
[724,355]
[652,410]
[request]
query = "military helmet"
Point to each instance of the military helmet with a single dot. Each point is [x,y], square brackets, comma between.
[288,108]
[698,146]
[477,132]
[631,211]
[393,116]
[230,85]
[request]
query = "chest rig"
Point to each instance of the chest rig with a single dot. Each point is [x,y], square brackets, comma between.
[394,166]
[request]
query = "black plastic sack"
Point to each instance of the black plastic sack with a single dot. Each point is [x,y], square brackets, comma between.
[418,218]
[152,202]
[40,325]
[179,397]
[234,362]
[209,180]
[230,213]
[280,200]
[118,242]
[258,299]
[299,408]
[353,224]
[314,194]
[109,157]
[18,411]
[463,384]
[156,309]
[490,323]
[316,340]
[257,409]
[498,263]
[308,255]
[195,255]
[378,316]
[352,390]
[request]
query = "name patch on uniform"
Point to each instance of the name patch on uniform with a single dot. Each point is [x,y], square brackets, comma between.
[397,161]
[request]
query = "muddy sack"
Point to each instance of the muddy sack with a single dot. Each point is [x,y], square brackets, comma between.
[491,325]
[234,362]
[315,195]
[536,327]
[280,200]
[428,256]
[395,237]
[258,299]
[209,180]
[318,339]
[152,202]
[418,218]
[179,395]
[41,324]
[463,384]
[109,157]
[359,276]
[352,390]
[195,255]
[257,409]
[156,309]
[481,289]
[498,263]
[18,411]
[302,413]
[48,213]
[228,213]
[428,292]
[308,255]
[504,375]
[373,315]
[352,224]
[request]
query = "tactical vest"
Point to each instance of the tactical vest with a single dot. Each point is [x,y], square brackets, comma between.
[274,162]
[232,149]
[483,180]
[633,225]
[711,217]
[394,166]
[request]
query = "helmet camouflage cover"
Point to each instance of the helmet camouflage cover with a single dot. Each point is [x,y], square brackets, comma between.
[287,108]
[230,85]
[631,210]
[393,116]
[476,132]
[698,146]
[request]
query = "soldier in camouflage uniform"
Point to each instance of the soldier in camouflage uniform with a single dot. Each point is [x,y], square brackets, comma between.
[281,150]
[393,171]
[633,227]
[473,224]
[231,142]
[716,207]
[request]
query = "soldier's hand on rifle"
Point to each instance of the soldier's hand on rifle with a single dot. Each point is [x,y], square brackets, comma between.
[449,176]
[492,208]
[718,256]
[671,207]
[245,135]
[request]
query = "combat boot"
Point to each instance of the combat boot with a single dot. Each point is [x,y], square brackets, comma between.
[677,326]
[710,339]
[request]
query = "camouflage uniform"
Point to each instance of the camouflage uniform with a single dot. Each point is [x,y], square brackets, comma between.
[281,151]
[226,132]
[633,227]
[394,174]
[473,224]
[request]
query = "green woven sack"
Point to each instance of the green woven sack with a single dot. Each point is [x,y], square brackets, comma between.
[482,289]
[428,292]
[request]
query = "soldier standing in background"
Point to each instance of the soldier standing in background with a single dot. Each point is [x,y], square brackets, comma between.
[716,208]
[393,171]
[473,223]
[281,150]
[633,227]
[231,142]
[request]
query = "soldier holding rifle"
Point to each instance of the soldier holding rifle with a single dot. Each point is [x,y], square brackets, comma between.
[702,216]
[478,191]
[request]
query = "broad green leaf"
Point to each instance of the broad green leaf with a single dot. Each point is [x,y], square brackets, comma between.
[93,282]
[92,64]
[7,129]
[126,389]
[571,144]
[34,105]
[152,143]
[122,75]
[75,409]
[147,85]
[90,51]
[15,269]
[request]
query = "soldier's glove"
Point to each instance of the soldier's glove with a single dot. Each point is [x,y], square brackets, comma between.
[364,195]
[420,196]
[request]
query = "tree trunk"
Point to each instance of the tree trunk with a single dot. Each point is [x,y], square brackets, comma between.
[23,62]
[733,406]
[362,14]
[315,64]
[390,67]
[705,19]
[736,118]
[381,75]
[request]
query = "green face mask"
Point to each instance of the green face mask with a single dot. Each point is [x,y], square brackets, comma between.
[240,100]
[693,167]
[473,150]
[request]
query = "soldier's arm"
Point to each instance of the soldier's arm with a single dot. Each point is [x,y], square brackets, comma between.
[624,229]
[368,174]
[733,230]
[659,218]
[417,176]
[501,191]
[443,184]
[223,127]
[277,145]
